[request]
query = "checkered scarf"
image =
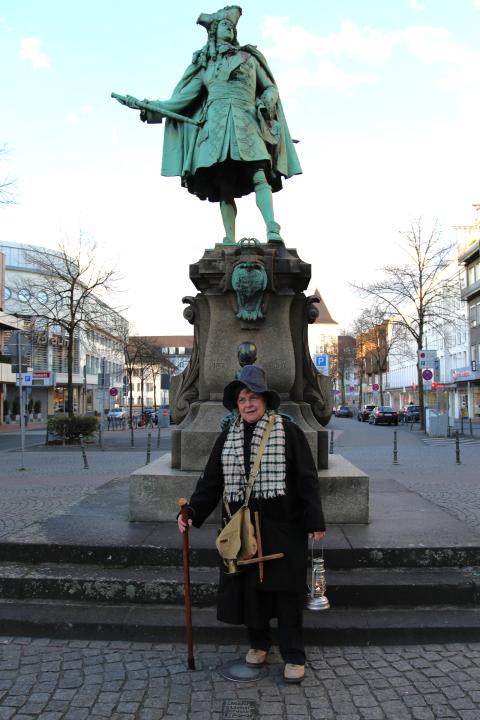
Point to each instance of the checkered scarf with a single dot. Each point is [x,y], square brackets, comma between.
[270,480]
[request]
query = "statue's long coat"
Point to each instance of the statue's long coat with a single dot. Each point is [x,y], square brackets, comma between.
[223,100]
[285,524]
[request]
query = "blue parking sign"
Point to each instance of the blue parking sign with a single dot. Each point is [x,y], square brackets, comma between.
[321,363]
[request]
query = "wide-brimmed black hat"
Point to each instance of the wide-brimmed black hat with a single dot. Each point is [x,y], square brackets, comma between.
[252,377]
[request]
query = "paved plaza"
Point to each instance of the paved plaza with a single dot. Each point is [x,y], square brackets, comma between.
[75,680]
[54,679]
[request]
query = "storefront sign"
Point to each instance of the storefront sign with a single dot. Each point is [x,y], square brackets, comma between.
[42,378]
[465,374]
[54,340]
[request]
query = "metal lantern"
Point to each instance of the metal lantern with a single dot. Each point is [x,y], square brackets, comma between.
[316,599]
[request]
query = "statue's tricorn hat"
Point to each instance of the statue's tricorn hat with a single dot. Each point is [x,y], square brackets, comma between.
[230,12]
[252,377]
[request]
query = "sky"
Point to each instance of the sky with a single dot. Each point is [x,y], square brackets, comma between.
[383,96]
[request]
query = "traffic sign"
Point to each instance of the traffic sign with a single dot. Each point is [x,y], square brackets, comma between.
[26,379]
[113,391]
[427,374]
[375,387]
[426,358]
[321,362]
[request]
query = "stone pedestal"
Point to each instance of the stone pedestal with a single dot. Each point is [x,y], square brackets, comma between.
[156,488]
[251,296]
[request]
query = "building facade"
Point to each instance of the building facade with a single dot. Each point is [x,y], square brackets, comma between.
[164,356]
[41,347]
[467,377]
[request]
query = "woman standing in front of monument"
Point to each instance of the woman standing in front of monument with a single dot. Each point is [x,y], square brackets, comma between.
[286,496]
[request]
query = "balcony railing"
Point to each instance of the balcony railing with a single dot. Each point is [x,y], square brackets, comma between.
[470,290]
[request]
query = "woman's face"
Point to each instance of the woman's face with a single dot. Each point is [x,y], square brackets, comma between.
[250,405]
[225,30]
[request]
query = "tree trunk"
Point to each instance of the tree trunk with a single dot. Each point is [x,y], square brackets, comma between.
[130,398]
[70,351]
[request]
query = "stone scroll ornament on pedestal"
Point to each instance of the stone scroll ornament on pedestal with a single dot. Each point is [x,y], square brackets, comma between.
[251,296]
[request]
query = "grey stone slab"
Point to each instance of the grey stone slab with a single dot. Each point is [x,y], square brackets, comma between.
[156,488]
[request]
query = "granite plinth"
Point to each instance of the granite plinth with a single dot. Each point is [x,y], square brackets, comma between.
[156,488]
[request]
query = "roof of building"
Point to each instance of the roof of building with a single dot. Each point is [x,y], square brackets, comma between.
[324,317]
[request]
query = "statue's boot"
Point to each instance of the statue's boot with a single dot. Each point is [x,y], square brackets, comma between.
[273,232]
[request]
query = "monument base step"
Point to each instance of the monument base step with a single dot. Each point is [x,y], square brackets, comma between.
[47,618]
[361,587]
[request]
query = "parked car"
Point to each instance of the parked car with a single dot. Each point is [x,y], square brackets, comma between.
[118,413]
[364,413]
[410,413]
[343,411]
[383,414]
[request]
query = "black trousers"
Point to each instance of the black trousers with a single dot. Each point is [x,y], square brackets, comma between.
[288,609]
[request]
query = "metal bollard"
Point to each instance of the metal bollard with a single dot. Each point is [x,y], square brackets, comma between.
[84,454]
[158,437]
[331,443]
[100,436]
[471,429]
[461,425]
[395,456]
[457,448]
[149,446]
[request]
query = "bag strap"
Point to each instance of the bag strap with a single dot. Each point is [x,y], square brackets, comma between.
[256,465]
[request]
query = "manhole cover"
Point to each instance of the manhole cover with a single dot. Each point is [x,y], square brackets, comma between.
[238,671]
[236,709]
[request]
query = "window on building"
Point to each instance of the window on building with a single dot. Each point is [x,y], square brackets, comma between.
[474,312]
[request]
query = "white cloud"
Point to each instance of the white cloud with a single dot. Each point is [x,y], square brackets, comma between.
[416,5]
[74,118]
[327,75]
[433,45]
[30,50]
[295,42]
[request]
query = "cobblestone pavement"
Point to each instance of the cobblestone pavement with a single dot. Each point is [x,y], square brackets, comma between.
[429,470]
[73,680]
[54,480]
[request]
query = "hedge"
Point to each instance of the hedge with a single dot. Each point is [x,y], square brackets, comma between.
[72,427]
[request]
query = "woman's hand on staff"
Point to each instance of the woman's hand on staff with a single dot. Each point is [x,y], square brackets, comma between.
[182,525]
[318,535]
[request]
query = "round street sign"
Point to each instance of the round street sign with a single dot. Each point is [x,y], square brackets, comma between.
[113,392]
[375,387]
[427,374]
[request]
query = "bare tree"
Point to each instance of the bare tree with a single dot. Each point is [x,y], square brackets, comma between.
[6,183]
[345,361]
[376,338]
[418,293]
[68,288]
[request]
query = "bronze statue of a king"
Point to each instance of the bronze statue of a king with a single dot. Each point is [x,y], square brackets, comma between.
[225,133]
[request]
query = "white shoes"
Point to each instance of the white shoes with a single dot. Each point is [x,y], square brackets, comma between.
[293,673]
[255,658]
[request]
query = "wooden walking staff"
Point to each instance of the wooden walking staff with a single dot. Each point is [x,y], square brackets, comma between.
[186,583]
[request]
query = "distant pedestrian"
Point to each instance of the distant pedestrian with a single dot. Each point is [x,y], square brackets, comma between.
[286,497]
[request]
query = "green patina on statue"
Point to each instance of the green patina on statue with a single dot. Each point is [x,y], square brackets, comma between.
[225,131]
[249,280]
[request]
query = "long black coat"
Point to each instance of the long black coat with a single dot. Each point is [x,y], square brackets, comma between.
[285,524]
